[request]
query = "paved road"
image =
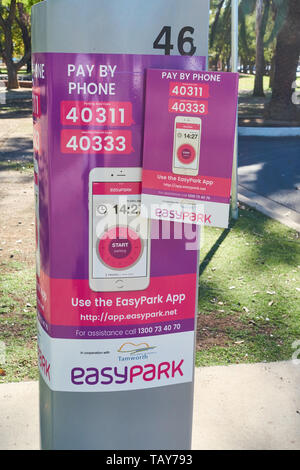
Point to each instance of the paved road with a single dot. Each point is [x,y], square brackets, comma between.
[270,167]
[16,129]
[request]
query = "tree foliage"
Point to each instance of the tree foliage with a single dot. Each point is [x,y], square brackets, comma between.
[220,31]
[281,106]
[15,38]
[269,39]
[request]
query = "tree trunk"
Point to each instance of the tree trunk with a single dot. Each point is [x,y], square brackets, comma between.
[287,54]
[28,66]
[260,59]
[12,82]
[23,20]
[6,23]
[228,64]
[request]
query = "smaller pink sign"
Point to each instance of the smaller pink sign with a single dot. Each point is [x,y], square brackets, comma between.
[189,137]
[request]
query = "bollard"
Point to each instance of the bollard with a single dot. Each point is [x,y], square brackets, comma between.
[116,311]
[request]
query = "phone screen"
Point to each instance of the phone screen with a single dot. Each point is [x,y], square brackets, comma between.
[119,231]
[186,145]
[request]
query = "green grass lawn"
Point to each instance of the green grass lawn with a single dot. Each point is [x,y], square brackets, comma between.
[249,307]
[17,321]
[246,84]
[21,71]
[249,292]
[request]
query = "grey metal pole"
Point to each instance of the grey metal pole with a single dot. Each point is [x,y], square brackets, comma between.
[234,68]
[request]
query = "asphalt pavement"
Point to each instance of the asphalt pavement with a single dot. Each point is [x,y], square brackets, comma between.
[269,176]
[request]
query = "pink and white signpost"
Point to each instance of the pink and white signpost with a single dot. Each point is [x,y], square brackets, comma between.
[116,300]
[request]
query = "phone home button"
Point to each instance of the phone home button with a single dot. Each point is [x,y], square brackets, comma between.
[119,284]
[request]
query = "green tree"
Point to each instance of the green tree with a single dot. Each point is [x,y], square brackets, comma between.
[259,23]
[15,13]
[24,24]
[264,22]
[286,60]
[220,33]
[262,15]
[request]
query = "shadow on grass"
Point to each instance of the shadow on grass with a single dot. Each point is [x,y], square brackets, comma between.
[15,113]
[215,248]
[16,109]
[248,280]
[273,244]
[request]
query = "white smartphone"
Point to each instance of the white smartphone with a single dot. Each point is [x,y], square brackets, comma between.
[119,234]
[186,146]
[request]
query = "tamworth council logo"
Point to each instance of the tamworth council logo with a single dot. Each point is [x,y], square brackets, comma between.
[130,351]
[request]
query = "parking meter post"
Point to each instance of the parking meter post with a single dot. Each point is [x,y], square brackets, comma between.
[87,401]
[234,68]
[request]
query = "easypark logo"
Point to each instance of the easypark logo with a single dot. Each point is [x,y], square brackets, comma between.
[117,375]
[183,216]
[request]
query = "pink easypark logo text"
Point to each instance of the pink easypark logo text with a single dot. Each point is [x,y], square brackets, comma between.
[44,364]
[183,216]
[108,375]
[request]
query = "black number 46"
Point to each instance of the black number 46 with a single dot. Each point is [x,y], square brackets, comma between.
[185,43]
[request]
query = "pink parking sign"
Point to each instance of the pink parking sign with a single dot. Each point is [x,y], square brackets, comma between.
[108,280]
[190,121]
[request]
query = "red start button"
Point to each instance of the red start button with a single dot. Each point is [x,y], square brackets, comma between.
[120,247]
[186,154]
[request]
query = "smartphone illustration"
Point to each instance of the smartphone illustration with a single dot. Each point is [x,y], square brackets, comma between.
[186,146]
[119,234]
